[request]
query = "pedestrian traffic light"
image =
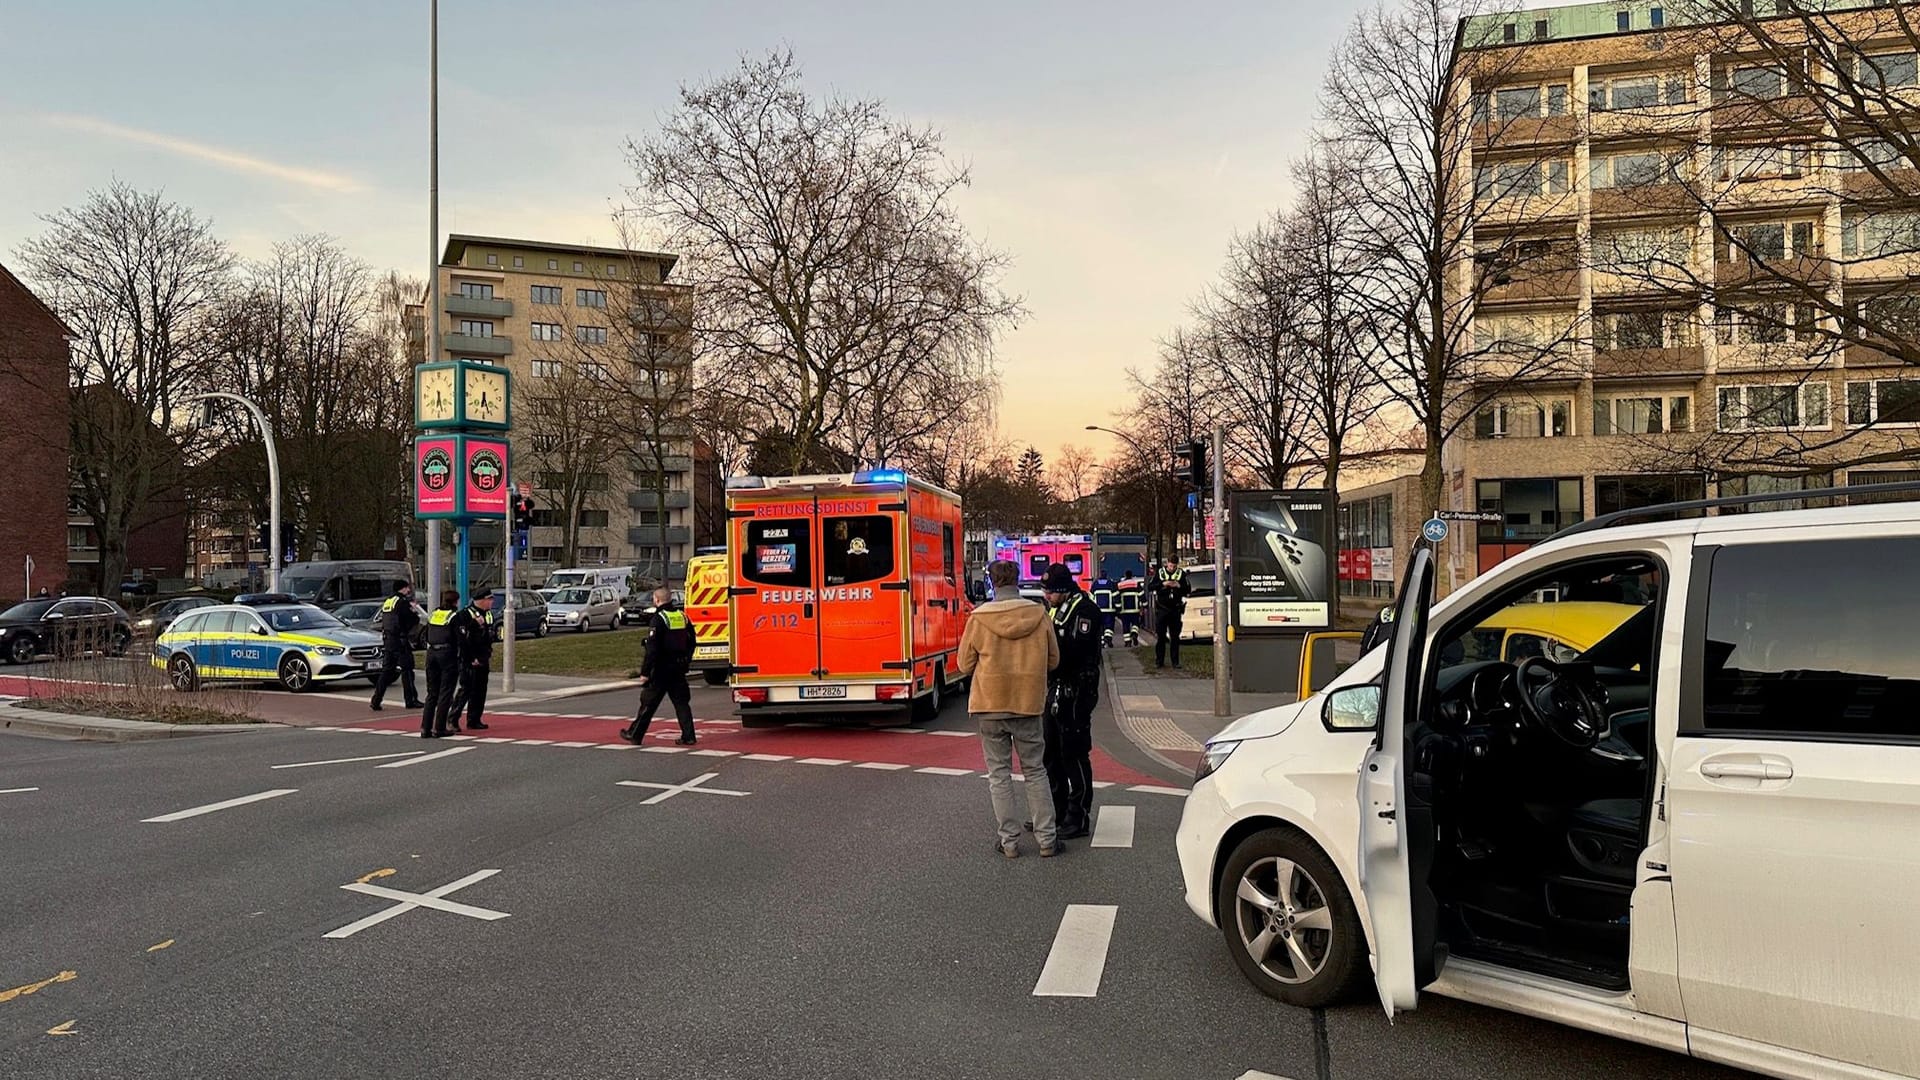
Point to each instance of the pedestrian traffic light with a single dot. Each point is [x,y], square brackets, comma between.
[1190,464]
[522,513]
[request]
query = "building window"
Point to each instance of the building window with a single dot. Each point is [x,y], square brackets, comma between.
[1639,91]
[1774,407]
[493,260]
[1767,324]
[1873,236]
[1657,18]
[593,519]
[1883,71]
[546,294]
[546,331]
[1761,162]
[545,517]
[560,481]
[1612,494]
[1366,563]
[545,442]
[649,517]
[1757,83]
[1856,153]
[519,262]
[1508,32]
[1637,169]
[595,298]
[1539,29]
[476,328]
[1892,315]
[543,554]
[579,267]
[591,335]
[476,290]
[553,264]
[1622,21]
[1521,335]
[649,480]
[546,369]
[613,270]
[1653,414]
[1531,509]
[1521,102]
[593,370]
[1767,484]
[1668,329]
[1864,477]
[1642,250]
[1524,420]
[1511,179]
[591,554]
[1883,401]
[1769,241]
[650,553]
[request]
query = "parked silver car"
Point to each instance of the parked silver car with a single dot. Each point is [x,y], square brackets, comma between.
[579,607]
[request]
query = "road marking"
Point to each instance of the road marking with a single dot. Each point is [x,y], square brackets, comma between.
[62,1029]
[716,753]
[766,757]
[409,901]
[34,988]
[955,734]
[181,815]
[1103,783]
[885,765]
[1151,789]
[461,738]
[1255,1074]
[17,790]
[664,749]
[617,746]
[668,791]
[493,740]
[821,761]
[351,760]
[1079,953]
[319,728]
[942,770]
[162,945]
[574,744]
[373,875]
[1113,827]
[430,757]
[533,742]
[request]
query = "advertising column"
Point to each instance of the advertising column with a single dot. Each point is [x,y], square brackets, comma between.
[1282,582]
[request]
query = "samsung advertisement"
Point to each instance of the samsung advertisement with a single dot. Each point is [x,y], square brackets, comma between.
[1282,572]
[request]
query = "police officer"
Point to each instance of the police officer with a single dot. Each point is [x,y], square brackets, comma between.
[443,665]
[1073,689]
[663,669]
[399,621]
[474,633]
[1169,604]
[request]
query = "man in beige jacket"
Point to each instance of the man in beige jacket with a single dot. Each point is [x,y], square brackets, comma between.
[1008,648]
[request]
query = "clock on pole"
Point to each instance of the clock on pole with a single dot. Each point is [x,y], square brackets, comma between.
[462,410]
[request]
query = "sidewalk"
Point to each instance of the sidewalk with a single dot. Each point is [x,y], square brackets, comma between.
[1169,715]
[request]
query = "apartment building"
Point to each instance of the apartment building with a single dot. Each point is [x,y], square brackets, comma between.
[596,341]
[1668,236]
[33,442]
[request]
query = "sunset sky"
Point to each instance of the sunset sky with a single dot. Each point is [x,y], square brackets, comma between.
[1116,147]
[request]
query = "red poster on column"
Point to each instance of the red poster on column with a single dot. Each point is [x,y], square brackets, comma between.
[435,476]
[485,477]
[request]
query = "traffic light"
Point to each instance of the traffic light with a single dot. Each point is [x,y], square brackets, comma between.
[522,513]
[1190,463]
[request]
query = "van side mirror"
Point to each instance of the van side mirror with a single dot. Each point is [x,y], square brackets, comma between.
[1352,708]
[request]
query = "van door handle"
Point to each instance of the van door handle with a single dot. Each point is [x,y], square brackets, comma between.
[806,611]
[1747,768]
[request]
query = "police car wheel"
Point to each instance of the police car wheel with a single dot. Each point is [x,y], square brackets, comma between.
[295,673]
[182,674]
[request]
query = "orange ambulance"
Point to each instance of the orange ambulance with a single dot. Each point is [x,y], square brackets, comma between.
[848,595]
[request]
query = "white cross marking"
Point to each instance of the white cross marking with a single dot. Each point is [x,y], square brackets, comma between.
[409,901]
[668,791]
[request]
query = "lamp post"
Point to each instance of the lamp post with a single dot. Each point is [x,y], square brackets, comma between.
[1130,441]
[273,482]
[433,251]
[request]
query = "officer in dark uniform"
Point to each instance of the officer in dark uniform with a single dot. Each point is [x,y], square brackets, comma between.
[663,669]
[1169,604]
[399,621]
[474,632]
[443,665]
[1073,689]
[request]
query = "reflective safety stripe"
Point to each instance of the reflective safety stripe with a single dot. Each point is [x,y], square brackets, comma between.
[676,620]
[388,606]
[440,617]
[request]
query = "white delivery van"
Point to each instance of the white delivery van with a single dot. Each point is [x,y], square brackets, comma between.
[593,577]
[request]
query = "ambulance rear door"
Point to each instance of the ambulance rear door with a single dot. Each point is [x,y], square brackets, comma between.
[862,562]
[775,616]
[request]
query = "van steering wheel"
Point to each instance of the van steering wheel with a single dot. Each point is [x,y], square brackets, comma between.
[1556,701]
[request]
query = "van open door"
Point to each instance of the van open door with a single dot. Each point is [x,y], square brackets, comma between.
[1323,656]
[1396,835]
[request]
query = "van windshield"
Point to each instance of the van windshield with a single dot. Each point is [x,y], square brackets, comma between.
[303,588]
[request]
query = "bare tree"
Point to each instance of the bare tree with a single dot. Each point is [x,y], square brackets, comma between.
[1072,471]
[1244,353]
[837,284]
[137,278]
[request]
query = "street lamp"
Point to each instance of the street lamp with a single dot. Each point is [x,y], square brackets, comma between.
[273,482]
[1130,441]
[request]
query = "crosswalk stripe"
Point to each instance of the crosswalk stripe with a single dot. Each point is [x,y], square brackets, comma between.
[1113,827]
[885,766]
[941,770]
[1079,953]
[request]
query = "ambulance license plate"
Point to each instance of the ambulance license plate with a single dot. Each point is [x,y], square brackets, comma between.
[818,693]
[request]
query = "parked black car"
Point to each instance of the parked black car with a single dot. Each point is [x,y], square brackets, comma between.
[359,614]
[68,626]
[638,606]
[152,621]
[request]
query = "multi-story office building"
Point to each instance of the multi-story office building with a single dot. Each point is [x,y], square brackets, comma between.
[1667,234]
[596,340]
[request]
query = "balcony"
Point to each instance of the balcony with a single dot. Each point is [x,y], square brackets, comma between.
[1555,277]
[477,346]
[1496,366]
[1672,120]
[1503,134]
[473,305]
[673,463]
[1643,200]
[1688,360]
[1806,269]
[659,534]
[650,500]
[1866,356]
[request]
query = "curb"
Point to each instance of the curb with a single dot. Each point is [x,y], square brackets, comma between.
[533,697]
[1120,716]
[105,729]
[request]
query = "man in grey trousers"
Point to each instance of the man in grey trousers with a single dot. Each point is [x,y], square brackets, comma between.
[1008,648]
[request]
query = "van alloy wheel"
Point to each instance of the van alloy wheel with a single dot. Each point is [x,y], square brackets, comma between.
[23,650]
[1283,919]
[1289,923]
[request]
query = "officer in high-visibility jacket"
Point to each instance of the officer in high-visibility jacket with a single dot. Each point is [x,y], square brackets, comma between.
[663,669]
[443,665]
[399,619]
[1073,688]
[475,634]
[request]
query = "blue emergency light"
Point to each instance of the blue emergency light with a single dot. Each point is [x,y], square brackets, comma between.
[880,476]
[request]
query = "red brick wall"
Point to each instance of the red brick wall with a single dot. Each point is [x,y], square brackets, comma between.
[33,441]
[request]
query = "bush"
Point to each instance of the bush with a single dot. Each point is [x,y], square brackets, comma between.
[132,689]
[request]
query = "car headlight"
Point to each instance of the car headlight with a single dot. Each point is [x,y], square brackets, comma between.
[330,650]
[1214,756]
[144,622]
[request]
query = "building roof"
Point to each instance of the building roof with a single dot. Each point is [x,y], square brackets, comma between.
[457,244]
[7,278]
[1602,19]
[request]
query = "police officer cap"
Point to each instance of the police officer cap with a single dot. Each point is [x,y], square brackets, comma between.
[1059,579]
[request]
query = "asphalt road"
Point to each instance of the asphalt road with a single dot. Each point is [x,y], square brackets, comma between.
[832,921]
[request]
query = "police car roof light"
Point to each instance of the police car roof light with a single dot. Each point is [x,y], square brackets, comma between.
[265,599]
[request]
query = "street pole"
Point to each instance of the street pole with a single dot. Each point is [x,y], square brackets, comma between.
[433,252]
[273,482]
[1222,689]
[510,629]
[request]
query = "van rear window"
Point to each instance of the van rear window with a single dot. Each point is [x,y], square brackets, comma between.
[779,551]
[857,549]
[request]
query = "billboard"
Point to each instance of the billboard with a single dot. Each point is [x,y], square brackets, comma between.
[1283,574]
[436,470]
[485,477]
[460,477]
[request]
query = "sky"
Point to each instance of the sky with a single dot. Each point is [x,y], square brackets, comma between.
[1115,147]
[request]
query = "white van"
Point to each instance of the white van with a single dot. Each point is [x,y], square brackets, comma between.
[593,577]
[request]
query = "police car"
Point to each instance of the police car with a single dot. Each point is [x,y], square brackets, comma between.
[269,637]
